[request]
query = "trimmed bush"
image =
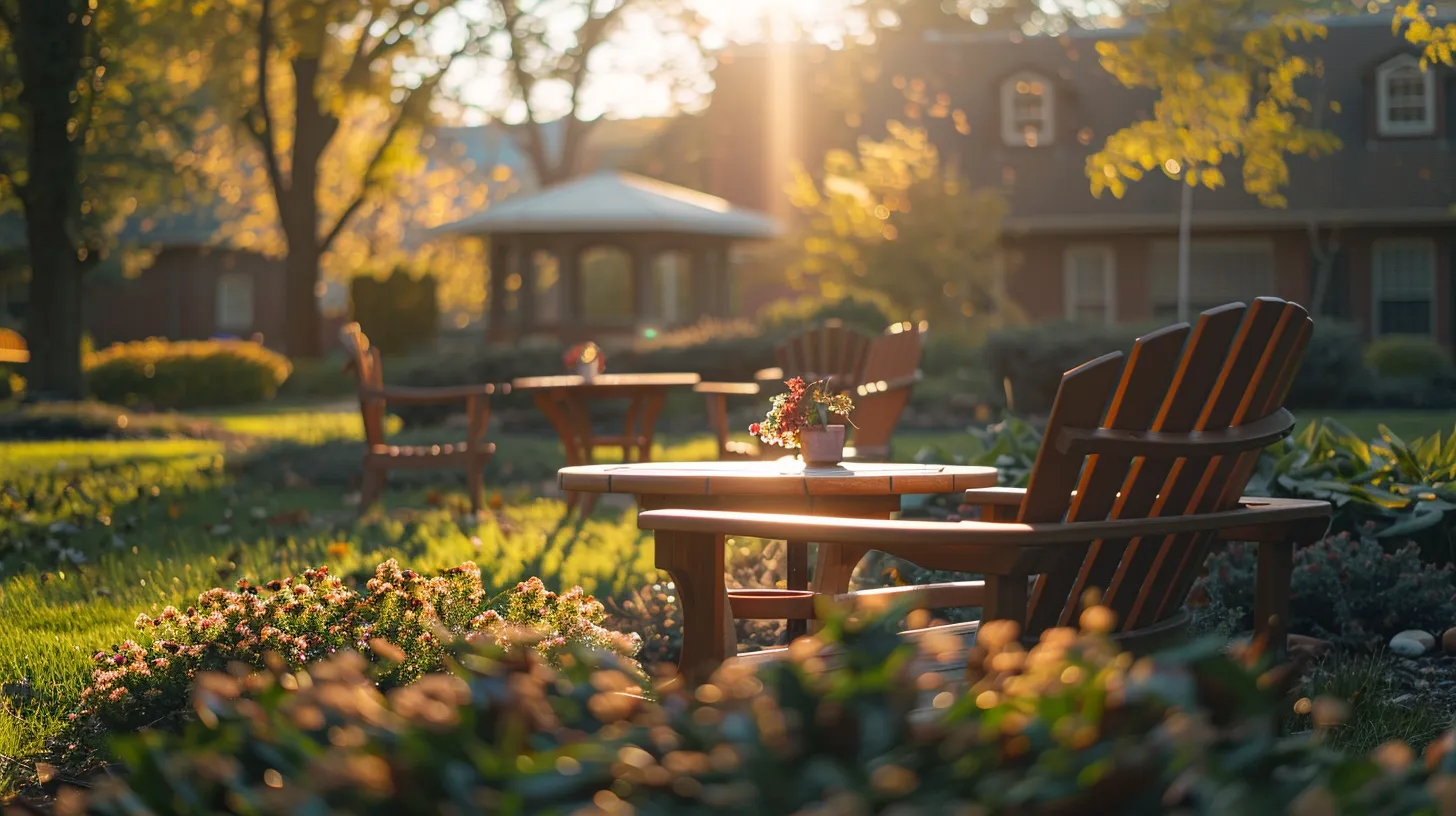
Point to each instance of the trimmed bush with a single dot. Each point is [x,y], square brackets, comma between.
[1348,589]
[1032,359]
[186,374]
[1333,372]
[400,313]
[862,311]
[1071,727]
[1408,356]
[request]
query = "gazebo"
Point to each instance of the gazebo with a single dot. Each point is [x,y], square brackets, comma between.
[608,254]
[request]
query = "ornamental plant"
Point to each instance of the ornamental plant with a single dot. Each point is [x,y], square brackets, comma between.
[186,374]
[1071,726]
[398,623]
[804,406]
[585,353]
[1347,588]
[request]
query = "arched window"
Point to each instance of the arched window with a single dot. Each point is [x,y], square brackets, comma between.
[606,286]
[672,287]
[1028,110]
[1405,98]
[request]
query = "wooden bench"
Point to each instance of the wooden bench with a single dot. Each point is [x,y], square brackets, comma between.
[1140,470]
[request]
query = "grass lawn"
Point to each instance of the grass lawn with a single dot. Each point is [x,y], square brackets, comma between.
[94,533]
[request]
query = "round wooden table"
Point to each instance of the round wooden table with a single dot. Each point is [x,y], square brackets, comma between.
[852,490]
[565,400]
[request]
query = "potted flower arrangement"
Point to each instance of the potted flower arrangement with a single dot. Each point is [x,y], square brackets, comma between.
[800,419]
[585,359]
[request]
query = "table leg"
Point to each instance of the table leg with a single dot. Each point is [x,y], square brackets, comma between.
[796,576]
[630,437]
[652,405]
[578,416]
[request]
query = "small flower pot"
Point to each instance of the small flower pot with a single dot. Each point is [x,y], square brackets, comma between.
[822,446]
[588,370]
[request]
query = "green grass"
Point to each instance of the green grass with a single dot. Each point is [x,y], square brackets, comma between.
[1405,424]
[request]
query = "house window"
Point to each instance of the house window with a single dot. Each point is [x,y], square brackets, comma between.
[1090,284]
[1027,111]
[234,301]
[1406,98]
[1405,286]
[1219,272]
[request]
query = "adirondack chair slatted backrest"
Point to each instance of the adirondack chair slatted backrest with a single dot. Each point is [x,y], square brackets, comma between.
[893,359]
[1140,440]
[364,360]
[828,351]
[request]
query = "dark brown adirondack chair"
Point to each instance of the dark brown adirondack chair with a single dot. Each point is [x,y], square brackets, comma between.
[381,457]
[829,352]
[891,369]
[1141,470]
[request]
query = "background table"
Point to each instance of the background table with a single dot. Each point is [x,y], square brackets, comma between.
[565,400]
[851,490]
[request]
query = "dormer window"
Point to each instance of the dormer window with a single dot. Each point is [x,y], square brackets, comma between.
[1027,111]
[1406,98]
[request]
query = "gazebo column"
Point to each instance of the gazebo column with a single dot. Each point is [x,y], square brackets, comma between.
[710,285]
[642,252]
[496,330]
[569,284]
[524,264]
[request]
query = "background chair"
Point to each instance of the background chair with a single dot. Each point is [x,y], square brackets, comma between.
[381,457]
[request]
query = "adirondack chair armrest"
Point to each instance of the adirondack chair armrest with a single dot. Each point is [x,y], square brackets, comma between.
[427,396]
[883,386]
[905,537]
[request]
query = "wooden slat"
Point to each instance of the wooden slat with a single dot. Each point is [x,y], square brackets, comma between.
[1236,375]
[1135,404]
[1221,485]
[1197,372]
[1080,400]
[1260,433]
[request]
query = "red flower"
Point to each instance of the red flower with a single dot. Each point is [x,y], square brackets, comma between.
[753,429]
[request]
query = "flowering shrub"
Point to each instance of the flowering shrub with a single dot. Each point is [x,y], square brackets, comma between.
[400,623]
[186,374]
[1069,727]
[804,406]
[1346,588]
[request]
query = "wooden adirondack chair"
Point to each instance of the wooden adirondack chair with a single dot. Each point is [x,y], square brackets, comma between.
[1141,469]
[879,370]
[891,369]
[381,457]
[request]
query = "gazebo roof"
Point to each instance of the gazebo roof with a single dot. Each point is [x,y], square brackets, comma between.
[616,202]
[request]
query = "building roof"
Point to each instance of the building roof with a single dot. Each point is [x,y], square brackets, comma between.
[1370,180]
[612,201]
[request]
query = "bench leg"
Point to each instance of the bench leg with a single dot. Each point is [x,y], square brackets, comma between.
[1271,596]
[695,562]
[796,577]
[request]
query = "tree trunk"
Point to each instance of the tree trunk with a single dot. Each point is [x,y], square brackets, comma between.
[314,129]
[1185,251]
[50,43]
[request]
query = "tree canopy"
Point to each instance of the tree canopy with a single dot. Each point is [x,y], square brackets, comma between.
[1226,82]
[891,218]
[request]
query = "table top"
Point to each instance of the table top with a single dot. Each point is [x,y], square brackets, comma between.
[774,478]
[606,381]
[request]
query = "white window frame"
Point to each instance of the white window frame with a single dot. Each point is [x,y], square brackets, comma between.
[1382,99]
[1428,244]
[222,309]
[1109,280]
[1009,133]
